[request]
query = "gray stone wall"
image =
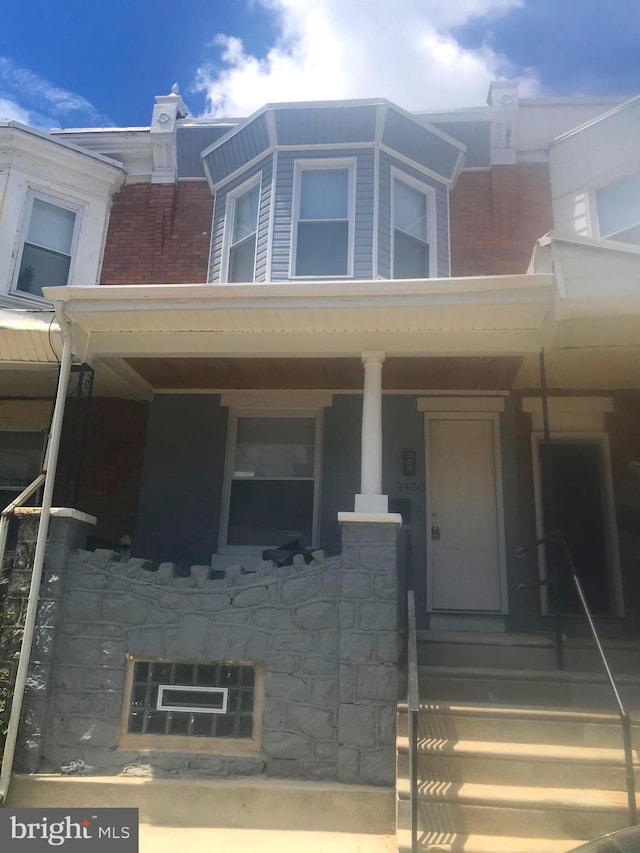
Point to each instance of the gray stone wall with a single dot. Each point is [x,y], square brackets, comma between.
[326,635]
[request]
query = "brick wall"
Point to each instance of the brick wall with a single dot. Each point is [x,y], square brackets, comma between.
[159,234]
[111,468]
[496,217]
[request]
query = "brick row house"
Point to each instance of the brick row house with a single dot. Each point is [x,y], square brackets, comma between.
[324,315]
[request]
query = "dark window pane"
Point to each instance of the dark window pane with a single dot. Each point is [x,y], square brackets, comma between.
[156,721]
[206,676]
[202,724]
[192,699]
[226,726]
[183,673]
[42,268]
[246,700]
[242,260]
[247,676]
[178,724]
[229,676]
[140,671]
[245,726]
[267,512]
[410,257]
[136,720]
[322,248]
[161,673]
[139,694]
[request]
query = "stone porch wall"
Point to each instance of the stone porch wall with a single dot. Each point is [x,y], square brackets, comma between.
[326,635]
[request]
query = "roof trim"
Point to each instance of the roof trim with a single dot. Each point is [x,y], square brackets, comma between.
[600,118]
[62,143]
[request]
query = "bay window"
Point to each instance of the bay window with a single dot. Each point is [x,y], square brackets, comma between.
[323,219]
[411,230]
[242,219]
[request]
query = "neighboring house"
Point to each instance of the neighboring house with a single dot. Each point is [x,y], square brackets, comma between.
[339,306]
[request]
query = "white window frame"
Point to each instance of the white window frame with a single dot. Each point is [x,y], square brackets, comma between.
[229,220]
[234,416]
[161,705]
[65,204]
[300,166]
[432,231]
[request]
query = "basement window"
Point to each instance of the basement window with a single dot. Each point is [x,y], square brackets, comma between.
[191,706]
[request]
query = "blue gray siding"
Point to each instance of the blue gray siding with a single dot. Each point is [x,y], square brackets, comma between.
[191,142]
[419,144]
[265,168]
[384,222]
[240,148]
[327,125]
[476,135]
[365,181]
[182,478]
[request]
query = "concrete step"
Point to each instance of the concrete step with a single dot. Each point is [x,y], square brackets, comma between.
[251,803]
[468,721]
[528,687]
[523,651]
[506,763]
[514,810]
[453,842]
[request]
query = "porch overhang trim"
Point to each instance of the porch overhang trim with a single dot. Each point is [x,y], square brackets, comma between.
[168,297]
[338,317]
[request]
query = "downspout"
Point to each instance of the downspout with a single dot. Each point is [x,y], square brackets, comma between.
[49,470]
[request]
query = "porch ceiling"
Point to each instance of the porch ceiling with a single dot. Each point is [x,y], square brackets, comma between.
[501,314]
[181,374]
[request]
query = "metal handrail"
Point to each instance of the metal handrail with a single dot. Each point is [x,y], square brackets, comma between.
[625,720]
[413,704]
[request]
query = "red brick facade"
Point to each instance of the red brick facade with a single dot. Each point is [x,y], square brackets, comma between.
[495,218]
[159,234]
[111,469]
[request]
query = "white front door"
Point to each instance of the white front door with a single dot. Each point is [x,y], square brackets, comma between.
[464,530]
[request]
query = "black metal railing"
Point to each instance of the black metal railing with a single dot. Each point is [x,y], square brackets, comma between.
[413,712]
[559,542]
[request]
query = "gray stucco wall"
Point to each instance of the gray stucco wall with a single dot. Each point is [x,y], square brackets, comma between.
[182,478]
[325,635]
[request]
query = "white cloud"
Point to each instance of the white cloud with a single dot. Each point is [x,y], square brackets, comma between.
[29,98]
[10,111]
[399,49]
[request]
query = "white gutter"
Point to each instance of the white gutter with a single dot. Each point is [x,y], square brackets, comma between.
[49,470]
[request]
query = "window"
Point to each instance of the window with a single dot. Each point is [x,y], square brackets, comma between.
[192,700]
[47,248]
[271,480]
[242,216]
[323,219]
[619,210]
[410,251]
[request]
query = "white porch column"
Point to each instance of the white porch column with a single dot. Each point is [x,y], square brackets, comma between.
[371,498]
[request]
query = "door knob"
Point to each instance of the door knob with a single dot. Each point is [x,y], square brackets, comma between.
[435,531]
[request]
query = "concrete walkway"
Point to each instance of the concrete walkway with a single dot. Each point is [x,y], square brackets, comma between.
[165,839]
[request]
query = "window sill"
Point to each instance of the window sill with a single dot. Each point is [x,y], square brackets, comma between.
[178,743]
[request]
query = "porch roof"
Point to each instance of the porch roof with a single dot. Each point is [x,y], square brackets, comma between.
[475,315]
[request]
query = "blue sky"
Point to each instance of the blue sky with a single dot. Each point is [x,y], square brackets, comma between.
[80,63]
